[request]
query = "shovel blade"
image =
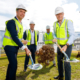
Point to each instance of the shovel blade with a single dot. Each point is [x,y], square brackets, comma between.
[35,66]
[72,60]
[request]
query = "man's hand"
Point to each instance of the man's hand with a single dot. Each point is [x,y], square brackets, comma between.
[27,51]
[24,42]
[64,48]
[54,40]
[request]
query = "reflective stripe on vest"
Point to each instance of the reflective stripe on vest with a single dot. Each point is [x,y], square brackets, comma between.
[28,38]
[17,28]
[27,35]
[11,38]
[48,38]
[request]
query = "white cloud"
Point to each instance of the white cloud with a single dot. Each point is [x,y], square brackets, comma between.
[9,6]
[40,11]
[2,22]
[72,13]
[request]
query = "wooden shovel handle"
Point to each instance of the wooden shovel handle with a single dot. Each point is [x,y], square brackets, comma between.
[59,46]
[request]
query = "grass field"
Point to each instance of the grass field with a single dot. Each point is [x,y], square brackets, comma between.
[47,73]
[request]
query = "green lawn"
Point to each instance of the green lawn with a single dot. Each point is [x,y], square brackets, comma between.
[47,73]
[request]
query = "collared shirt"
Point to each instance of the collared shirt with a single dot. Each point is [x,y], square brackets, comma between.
[18,20]
[32,37]
[48,34]
[70,30]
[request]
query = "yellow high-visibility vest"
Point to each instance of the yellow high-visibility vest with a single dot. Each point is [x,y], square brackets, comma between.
[48,38]
[28,38]
[62,33]
[7,40]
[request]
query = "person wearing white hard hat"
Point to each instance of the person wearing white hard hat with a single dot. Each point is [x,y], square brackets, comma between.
[64,35]
[31,35]
[21,7]
[12,41]
[47,38]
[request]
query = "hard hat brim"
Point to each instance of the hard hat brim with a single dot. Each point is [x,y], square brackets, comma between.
[58,13]
[32,23]
[47,28]
[21,8]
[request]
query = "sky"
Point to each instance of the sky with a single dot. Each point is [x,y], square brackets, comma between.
[42,12]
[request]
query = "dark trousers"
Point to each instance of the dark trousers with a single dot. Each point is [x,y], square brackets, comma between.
[67,67]
[32,48]
[12,66]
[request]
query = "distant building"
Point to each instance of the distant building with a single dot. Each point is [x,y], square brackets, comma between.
[1,37]
[77,44]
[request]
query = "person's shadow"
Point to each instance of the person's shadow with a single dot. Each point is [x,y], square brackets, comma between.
[42,71]
[23,75]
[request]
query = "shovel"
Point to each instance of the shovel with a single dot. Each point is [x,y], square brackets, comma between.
[67,58]
[34,66]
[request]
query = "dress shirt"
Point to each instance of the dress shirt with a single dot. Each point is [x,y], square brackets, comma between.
[32,37]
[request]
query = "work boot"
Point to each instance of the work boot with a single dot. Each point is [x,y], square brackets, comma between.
[25,70]
[58,77]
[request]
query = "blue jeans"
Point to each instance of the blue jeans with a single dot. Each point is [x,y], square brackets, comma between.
[67,67]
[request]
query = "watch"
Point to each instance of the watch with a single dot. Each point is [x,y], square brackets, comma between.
[67,45]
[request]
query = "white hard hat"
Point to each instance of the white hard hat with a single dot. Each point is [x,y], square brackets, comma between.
[32,22]
[21,7]
[59,10]
[47,27]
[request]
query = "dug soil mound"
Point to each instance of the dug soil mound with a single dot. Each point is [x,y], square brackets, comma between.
[45,54]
